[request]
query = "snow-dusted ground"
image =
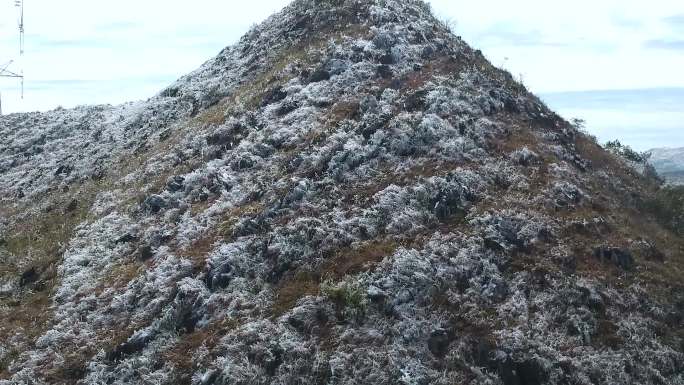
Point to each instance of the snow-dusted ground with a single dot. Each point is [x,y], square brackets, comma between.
[348,195]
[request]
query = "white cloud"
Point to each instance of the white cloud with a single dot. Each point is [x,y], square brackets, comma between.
[583,44]
[643,119]
[128,49]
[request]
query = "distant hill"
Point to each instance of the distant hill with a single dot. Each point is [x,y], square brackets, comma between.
[670,163]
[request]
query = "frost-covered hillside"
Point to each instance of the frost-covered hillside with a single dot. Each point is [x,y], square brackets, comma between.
[349,195]
[670,163]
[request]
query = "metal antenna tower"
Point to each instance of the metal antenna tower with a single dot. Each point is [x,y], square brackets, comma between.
[20,4]
[4,71]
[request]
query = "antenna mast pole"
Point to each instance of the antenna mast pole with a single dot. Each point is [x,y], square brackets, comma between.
[4,72]
[20,4]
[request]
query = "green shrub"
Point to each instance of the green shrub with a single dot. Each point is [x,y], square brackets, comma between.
[627,152]
[349,297]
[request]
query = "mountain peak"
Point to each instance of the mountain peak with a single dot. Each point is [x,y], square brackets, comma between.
[349,194]
[303,29]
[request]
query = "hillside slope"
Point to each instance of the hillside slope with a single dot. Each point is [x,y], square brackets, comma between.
[349,195]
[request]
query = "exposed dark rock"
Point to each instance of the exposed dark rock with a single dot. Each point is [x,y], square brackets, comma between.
[385,71]
[126,238]
[647,250]
[415,101]
[619,257]
[567,195]
[145,252]
[330,68]
[483,351]
[63,170]
[319,75]
[28,277]
[209,378]
[154,204]
[244,163]
[568,262]
[384,41]
[218,276]
[273,95]
[511,233]
[372,125]
[592,227]
[134,344]
[439,341]
[529,372]
[428,53]
[221,137]
[72,206]
[287,107]
[450,202]
[273,360]
[175,183]
[336,66]
[387,59]
[511,372]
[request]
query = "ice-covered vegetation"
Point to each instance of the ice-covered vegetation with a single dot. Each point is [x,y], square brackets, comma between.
[350,194]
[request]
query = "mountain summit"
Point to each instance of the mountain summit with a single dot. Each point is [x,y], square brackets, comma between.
[348,195]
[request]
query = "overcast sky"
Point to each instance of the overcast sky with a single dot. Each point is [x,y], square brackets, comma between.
[617,63]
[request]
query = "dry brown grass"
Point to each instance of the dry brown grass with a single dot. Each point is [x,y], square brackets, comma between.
[442,66]
[517,138]
[658,277]
[344,262]
[40,239]
[630,223]
[361,194]
[71,370]
[38,242]
[200,249]
[212,116]
[181,354]
[120,275]
[29,316]
[291,290]
[600,158]
[305,52]
[223,231]
[617,206]
[199,207]
[603,160]
[354,260]
[344,110]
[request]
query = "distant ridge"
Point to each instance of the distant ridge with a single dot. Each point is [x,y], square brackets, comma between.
[669,162]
